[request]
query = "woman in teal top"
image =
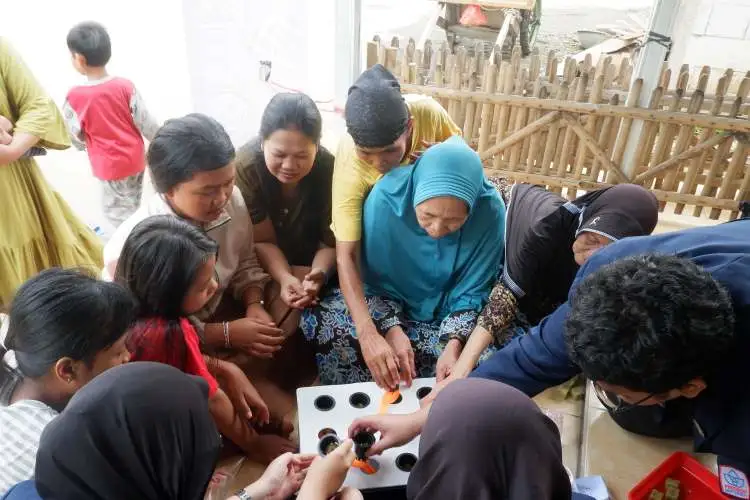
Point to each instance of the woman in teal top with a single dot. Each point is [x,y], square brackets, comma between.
[431,250]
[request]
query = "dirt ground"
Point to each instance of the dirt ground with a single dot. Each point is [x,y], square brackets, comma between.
[557,32]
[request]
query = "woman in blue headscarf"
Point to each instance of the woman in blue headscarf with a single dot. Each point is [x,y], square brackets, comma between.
[432,249]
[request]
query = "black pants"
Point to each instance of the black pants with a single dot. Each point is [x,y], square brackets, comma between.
[671,421]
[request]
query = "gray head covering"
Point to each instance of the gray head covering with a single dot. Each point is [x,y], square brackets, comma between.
[376,113]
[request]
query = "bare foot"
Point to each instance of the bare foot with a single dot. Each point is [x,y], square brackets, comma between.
[265,447]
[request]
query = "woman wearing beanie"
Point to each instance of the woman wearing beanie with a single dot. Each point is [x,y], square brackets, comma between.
[431,249]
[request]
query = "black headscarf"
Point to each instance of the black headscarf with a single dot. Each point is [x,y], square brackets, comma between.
[376,113]
[541,227]
[619,211]
[485,440]
[138,431]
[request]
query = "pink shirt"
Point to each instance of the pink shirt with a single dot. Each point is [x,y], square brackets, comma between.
[107,118]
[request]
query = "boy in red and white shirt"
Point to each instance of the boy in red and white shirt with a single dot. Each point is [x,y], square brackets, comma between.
[107,117]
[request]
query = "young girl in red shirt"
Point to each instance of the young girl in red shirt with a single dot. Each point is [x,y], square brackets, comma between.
[168,265]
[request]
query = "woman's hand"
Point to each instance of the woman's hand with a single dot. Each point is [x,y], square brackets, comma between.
[257,312]
[293,292]
[401,345]
[327,474]
[282,478]
[256,338]
[448,359]
[379,357]
[395,430]
[313,282]
[244,396]
[5,129]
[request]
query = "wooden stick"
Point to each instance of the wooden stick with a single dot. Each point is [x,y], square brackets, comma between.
[668,181]
[588,140]
[470,110]
[718,162]
[679,118]
[587,185]
[554,131]
[596,97]
[520,135]
[606,139]
[490,81]
[372,53]
[685,155]
[736,166]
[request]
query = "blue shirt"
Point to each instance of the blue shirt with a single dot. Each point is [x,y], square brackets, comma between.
[539,360]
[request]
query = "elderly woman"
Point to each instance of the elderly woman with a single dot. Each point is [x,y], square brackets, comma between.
[547,239]
[432,247]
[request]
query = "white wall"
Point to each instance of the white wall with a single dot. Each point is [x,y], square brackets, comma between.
[148,45]
[714,33]
[224,47]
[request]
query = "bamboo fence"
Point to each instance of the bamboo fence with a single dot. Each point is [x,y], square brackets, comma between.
[565,124]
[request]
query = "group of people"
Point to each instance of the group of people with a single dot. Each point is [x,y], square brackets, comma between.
[394,259]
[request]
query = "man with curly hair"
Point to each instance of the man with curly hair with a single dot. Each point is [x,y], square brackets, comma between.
[660,325]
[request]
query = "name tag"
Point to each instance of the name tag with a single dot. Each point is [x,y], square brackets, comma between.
[734,482]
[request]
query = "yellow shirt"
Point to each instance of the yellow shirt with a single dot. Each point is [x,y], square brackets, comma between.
[353,178]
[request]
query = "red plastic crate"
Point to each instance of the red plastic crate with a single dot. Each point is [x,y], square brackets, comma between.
[696,482]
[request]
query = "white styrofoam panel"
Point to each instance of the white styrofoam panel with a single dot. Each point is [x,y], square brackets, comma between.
[338,418]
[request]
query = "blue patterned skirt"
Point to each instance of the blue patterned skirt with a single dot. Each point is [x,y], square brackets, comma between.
[338,356]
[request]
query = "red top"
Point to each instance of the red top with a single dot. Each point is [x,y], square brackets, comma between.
[171,343]
[113,141]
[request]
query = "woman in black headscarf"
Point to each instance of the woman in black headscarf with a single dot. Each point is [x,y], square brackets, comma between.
[547,239]
[507,450]
[142,431]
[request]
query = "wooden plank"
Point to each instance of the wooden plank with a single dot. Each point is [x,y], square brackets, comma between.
[518,118]
[551,146]
[391,55]
[470,110]
[648,135]
[373,49]
[719,159]
[502,124]
[490,81]
[606,140]
[520,135]
[669,180]
[596,96]
[569,142]
[736,167]
[685,155]
[587,185]
[679,118]
[668,132]
[588,140]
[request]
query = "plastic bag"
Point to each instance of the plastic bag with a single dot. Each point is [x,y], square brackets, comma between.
[473,16]
[218,487]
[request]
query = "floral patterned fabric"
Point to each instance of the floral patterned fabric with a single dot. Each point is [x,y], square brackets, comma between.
[338,356]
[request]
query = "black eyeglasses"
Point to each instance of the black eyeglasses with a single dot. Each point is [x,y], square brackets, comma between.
[614,403]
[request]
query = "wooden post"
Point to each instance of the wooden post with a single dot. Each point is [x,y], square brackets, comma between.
[372,54]
[648,68]
[485,127]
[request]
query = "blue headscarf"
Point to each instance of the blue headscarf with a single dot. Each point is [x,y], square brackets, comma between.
[433,278]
